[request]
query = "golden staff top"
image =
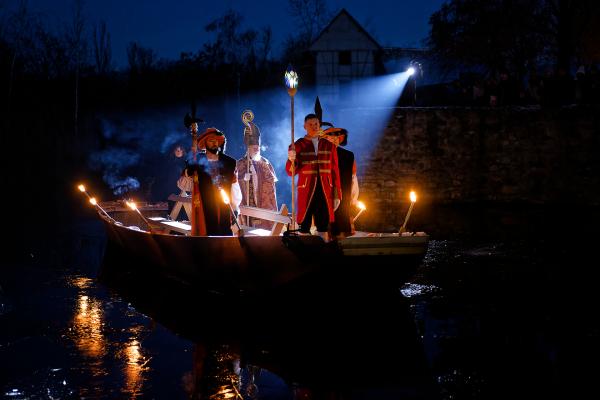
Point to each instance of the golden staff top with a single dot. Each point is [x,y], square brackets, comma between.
[247,117]
[291,81]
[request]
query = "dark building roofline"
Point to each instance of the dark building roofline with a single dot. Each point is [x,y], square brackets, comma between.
[343,11]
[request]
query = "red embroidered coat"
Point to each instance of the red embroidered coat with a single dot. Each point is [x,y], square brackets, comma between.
[307,166]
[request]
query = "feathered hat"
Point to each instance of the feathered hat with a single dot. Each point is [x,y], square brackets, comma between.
[331,131]
[220,136]
[337,132]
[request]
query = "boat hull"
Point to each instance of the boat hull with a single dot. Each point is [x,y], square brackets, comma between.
[254,264]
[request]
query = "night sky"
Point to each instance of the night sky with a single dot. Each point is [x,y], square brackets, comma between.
[172,27]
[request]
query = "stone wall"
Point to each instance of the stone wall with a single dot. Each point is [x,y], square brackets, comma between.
[458,155]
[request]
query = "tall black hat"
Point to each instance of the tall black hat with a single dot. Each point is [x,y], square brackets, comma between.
[319,113]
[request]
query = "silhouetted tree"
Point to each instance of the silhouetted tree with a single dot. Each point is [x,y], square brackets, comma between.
[19,32]
[102,48]
[78,47]
[51,58]
[491,34]
[513,34]
[234,54]
[310,17]
[140,59]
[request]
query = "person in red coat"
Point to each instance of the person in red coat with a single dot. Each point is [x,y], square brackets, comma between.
[315,162]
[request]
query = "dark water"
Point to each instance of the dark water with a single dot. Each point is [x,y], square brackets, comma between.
[504,305]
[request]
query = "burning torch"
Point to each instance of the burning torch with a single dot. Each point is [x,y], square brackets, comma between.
[133,206]
[226,201]
[413,200]
[92,200]
[362,208]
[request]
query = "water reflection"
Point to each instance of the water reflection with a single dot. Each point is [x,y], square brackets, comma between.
[215,374]
[134,366]
[339,343]
[93,341]
[87,327]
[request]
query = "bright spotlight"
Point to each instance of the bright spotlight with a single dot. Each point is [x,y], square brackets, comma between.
[410,71]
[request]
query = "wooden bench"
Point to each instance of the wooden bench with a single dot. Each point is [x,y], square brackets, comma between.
[280,219]
[181,201]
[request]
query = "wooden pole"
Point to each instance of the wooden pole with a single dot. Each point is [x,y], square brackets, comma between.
[293,166]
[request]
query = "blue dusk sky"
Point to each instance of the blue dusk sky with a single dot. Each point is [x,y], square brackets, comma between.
[172,27]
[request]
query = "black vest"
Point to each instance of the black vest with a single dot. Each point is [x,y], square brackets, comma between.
[217,214]
[342,214]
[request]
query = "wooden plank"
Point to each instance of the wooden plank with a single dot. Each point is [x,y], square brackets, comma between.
[278,227]
[178,226]
[179,198]
[267,215]
[164,225]
[175,211]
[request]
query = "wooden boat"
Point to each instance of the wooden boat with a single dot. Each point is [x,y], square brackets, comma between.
[254,264]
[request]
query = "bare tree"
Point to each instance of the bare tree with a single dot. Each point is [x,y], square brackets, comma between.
[78,46]
[265,42]
[140,58]
[20,29]
[102,49]
[226,46]
[310,15]
[50,57]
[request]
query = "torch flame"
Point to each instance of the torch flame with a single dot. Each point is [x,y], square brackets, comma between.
[413,196]
[81,188]
[93,201]
[131,205]
[291,79]
[361,205]
[224,196]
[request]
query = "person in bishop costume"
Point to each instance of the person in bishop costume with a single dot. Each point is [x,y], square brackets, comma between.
[257,178]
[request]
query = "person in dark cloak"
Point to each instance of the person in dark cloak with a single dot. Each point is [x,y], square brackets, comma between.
[216,171]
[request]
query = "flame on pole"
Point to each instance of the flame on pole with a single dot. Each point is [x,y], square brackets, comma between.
[93,200]
[413,200]
[95,204]
[362,208]
[226,201]
[291,82]
[133,206]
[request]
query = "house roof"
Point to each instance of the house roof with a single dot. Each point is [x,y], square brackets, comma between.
[315,46]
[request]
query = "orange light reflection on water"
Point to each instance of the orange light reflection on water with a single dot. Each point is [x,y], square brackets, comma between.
[88,322]
[89,335]
[134,364]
